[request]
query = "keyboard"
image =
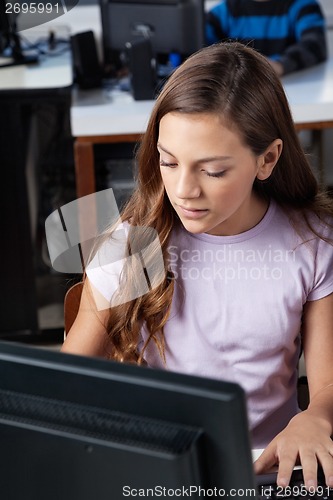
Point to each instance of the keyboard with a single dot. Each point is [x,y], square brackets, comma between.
[268,489]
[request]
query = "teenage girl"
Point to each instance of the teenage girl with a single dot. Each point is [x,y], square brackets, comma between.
[246,238]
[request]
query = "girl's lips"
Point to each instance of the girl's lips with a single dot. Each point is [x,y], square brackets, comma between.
[192,213]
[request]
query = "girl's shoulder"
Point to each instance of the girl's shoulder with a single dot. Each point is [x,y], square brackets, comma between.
[312,224]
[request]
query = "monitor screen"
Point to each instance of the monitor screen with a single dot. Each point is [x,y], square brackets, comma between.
[172,26]
[77,428]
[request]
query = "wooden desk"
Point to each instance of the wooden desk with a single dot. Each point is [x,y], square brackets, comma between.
[99,118]
[22,89]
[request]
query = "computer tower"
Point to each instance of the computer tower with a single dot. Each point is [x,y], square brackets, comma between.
[142,68]
[87,68]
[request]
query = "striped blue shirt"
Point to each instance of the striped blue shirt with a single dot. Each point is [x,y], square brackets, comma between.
[290,31]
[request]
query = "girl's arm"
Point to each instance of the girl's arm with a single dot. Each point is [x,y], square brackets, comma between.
[307,437]
[87,336]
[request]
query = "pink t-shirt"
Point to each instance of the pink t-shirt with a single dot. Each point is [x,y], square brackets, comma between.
[236,311]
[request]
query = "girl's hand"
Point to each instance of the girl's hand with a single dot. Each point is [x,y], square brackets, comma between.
[305,440]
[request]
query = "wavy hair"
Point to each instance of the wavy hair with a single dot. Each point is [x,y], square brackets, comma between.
[238,84]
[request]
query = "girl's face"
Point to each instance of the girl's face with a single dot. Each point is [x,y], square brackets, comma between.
[208,174]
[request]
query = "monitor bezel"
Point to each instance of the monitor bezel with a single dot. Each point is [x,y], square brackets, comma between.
[217,408]
[114,53]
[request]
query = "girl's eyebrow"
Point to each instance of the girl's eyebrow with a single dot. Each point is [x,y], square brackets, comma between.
[159,146]
[201,160]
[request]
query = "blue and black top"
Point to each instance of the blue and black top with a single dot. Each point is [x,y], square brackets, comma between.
[289,31]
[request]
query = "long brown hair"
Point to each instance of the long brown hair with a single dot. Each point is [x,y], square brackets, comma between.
[238,84]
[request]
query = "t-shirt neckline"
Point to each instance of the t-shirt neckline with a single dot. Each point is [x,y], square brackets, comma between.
[237,238]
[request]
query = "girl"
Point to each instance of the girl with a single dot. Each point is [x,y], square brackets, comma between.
[246,241]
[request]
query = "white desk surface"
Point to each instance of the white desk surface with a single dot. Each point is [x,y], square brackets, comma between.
[52,72]
[94,113]
[98,113]
[310,93]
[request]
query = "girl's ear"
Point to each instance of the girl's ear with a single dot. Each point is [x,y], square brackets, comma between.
[268,160]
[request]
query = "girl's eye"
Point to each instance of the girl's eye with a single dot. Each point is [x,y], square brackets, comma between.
[166,164]
[216,174]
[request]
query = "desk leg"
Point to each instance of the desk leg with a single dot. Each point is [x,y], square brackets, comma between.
[84,168]
[18,307]
[85,185]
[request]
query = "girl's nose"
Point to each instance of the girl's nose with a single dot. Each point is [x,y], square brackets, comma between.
[187,186]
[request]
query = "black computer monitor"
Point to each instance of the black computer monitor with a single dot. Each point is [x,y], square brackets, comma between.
[172,26]
[77,428]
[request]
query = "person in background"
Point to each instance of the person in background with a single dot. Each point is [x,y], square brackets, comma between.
[290,33]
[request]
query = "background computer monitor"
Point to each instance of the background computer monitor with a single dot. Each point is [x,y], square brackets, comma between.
[10,45]
[76,428]
[172,26]
[4,26]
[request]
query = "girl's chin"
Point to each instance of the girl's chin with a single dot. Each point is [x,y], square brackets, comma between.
[194,227]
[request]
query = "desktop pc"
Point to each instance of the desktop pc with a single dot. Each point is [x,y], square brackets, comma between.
[77,428]
[83,428]
[142,41]
[171,25]
[150,38]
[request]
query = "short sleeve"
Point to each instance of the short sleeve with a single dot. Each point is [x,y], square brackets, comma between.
[117,275]
[323,276]
[104,271]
